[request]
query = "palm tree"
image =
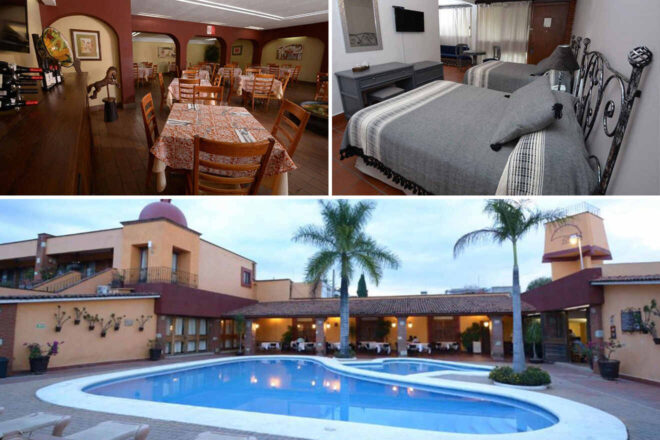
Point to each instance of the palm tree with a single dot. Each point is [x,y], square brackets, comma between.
[511,221]
[343,243]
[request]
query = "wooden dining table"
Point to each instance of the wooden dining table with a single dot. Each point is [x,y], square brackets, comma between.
[246,82]
[175,146]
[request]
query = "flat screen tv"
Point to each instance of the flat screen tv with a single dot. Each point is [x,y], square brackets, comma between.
[14,26]
[407,20]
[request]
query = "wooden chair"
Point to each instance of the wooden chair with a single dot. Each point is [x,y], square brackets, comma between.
[187,89]
[154,72]
[274,69]
[296,73]
[163,93]
[232,65]
[217,80]
[190,73]
[321,87]
[286,130]
[151,130]
[209,95]
[252,70]
[220,184]
[285,82]
[262,86]
[136,74]
[177,71]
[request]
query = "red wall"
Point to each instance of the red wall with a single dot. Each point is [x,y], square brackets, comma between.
[117,15]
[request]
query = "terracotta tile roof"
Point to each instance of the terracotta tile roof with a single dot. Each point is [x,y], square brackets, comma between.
[49,296]
[386,306]
[642,279]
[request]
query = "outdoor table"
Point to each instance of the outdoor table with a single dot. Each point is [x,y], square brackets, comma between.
[377,346]
[447,345]
[173,90]
[270,345]
[175,146]
[245,82]
[419,347]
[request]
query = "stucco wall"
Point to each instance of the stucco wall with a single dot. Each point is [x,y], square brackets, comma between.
[34,27]
[272,329]
[639,357]
[89,285]
[195,53]
[272,290]
[245,59]
[147,51]
[220,271]
[109,50]
[108,239]
[20,249]
[35,323]
[616,269]
[312,56]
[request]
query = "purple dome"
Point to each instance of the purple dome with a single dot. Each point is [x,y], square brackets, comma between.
[163,209]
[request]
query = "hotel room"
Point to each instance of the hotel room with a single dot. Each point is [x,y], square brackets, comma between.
[131,97]
[476,97]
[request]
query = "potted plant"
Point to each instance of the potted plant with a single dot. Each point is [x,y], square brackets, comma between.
[533,336]
[60,319]
[287,337]
[117,321]
[470,335]
[155,349]
[608,367]
[141,321]
[79,314]
[91,321]
[649,325]
[39,357]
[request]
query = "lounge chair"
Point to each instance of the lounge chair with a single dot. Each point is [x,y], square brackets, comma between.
[217,436]
[15,428]
[104,431]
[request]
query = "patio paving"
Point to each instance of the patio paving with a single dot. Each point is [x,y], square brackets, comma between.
[636,404]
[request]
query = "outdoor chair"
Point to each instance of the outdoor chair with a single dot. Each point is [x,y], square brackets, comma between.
[217,436]
[15,428]
[104,431]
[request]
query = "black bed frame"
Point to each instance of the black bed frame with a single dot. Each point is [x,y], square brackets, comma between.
[595,76]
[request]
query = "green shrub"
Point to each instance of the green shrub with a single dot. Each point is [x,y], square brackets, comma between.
[470,335]
[532,376]
[351,354]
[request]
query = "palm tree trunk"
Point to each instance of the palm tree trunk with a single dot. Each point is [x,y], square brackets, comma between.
[518,348]
[343,317]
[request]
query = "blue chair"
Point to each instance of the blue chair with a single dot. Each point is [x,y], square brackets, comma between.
[454,54]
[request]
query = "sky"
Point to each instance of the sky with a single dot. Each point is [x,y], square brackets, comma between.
[421,232]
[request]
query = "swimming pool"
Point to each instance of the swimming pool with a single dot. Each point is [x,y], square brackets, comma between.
[406,367]
[321,399]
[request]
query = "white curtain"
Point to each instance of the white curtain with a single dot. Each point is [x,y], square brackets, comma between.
[505,25]
[455,25]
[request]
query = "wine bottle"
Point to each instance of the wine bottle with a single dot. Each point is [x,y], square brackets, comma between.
[11,103]
[6,67]
[15,92]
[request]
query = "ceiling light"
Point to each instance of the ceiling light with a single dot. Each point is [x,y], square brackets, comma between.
[225,8]
[256,28]
[148,14]
[310,14]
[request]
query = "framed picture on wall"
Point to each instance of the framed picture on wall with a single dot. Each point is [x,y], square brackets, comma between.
[166,52]
[86,44]
[237,50]
[290,52]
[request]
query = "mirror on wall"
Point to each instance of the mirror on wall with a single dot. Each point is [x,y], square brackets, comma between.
[361,25]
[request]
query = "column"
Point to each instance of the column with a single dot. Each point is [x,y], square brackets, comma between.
[597,334]
[402,336]
[250,340]
[496,338]
[320,336]
[41,258]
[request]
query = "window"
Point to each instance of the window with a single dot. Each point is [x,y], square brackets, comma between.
[455,25]
[144,260]
[202,345]
[168,326]
[178,326]
[202,327]
[246,277]
[192,326]
[191,346]
[177,347]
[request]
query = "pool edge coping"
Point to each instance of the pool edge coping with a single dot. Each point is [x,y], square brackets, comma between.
[575,420]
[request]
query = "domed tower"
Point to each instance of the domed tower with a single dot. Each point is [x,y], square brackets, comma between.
[163,209]
[577,242]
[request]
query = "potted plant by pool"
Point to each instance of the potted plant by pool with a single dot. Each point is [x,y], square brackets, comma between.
[155,349]
[470,335]
[39,356]
[532,378]
[533,336]
[608,367]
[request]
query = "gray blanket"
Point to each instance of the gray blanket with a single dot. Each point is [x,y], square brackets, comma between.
[509,77]
[436,140]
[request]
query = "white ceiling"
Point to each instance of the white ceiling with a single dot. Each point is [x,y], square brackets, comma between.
[266,14]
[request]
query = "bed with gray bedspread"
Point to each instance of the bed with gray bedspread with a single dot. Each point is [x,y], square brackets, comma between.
[509,77]
[436,140]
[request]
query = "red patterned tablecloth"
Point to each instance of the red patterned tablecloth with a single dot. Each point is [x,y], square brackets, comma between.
[175,145]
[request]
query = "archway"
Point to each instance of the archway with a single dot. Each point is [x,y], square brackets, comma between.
[158,49]
[108,50]
[198,50]
[244,52]
[306,52]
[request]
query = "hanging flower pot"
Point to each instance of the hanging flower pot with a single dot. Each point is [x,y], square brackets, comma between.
[116,327]
[141,329]
[91,328]
[76,322]
[657,341]
[58,328]
[103,334]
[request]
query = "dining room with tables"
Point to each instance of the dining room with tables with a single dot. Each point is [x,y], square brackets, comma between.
[201,107]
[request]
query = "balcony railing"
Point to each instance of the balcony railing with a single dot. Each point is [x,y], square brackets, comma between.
[158,275]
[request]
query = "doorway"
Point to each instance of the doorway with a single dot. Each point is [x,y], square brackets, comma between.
[548,29]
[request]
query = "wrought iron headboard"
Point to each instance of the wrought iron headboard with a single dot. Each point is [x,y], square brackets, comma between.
[595,76]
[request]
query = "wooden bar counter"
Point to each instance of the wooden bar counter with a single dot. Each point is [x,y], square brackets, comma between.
[46,149]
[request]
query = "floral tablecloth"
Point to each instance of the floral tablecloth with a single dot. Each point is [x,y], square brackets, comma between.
[245,82]
[227,70]
[283,70]
[175,147]
[144,72]
[173,90]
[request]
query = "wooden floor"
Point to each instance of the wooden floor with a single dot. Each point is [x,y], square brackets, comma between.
[120,149]
[346,179]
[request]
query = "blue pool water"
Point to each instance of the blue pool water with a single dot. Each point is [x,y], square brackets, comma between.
[406,367]
[309,389]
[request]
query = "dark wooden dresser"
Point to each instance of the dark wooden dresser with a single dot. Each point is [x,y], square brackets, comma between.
[46,149]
